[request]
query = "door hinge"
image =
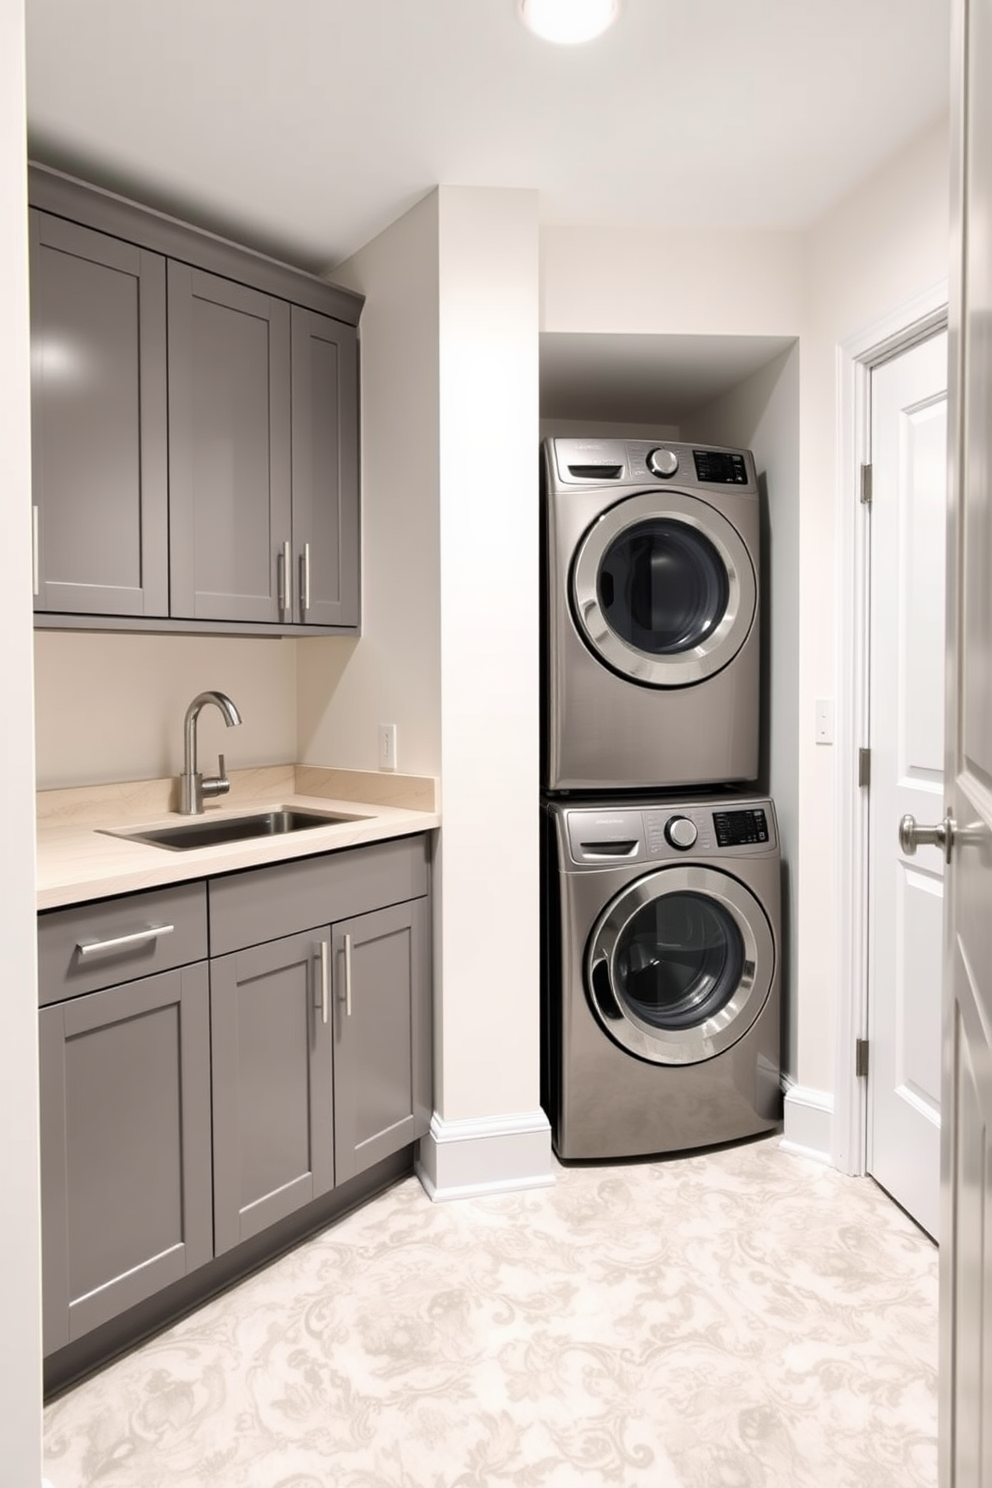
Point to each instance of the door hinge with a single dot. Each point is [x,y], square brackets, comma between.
[866,485]
[861,1058]
[864,767]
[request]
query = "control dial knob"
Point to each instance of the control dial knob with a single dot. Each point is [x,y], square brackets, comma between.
[681,832]
[663,462]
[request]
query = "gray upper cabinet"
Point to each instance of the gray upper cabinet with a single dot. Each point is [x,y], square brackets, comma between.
[98,422]
[196,427]
[325,469]
[229,449]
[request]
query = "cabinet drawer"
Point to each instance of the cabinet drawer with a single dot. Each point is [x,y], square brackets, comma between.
[266,903]
[96,945]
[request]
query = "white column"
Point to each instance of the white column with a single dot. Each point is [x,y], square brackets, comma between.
[488,1131]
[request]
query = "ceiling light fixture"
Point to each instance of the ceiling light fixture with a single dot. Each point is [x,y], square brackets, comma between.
[568,21]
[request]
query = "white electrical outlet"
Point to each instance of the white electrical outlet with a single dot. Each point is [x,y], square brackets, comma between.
[387,746]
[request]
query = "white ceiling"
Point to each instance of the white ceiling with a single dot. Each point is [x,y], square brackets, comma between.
[304,127]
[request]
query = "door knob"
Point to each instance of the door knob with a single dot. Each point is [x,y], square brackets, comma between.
[912,836]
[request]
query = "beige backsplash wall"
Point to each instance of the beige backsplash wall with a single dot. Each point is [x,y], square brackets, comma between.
[110,707]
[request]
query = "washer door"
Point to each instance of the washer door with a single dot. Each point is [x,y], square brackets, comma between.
[680,964]
[663,590]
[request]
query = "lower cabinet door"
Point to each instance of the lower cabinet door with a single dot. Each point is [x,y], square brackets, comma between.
[381,1034]
[272,1086]
[125,1147]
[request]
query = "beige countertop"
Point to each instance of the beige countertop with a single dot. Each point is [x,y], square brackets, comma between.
[78,858]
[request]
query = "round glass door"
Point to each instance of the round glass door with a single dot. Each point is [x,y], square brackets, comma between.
[680,965]
[666,596]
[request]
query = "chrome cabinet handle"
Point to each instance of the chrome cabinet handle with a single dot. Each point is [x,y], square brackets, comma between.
[347,975]
[305,579]
[324,982]
[120,942]
[912,836]
[286,582]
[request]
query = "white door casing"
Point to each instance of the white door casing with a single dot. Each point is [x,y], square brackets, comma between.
[906,731]
[965,1432]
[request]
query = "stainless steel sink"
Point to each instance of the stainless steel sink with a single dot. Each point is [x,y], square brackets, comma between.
[211,832]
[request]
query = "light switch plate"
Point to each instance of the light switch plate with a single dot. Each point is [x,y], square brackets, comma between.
[824,720]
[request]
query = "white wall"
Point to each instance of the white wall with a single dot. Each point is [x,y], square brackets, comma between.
[111,707]
[20,1286]
[392,675]
[879,249]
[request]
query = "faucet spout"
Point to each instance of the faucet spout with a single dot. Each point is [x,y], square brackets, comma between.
[193,787]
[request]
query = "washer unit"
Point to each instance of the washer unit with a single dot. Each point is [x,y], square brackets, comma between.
[661,933]
[650,607]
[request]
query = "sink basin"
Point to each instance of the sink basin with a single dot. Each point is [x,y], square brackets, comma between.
[210,832]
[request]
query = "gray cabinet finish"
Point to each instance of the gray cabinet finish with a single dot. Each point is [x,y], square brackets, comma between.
[265,903]
[272,1088]
[196,428]
[125,1133]
[325,469]
[229,448]
[188,1107]
[381,1034]
[98,422]
[120,938]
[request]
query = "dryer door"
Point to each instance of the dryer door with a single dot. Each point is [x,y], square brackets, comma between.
[663,589]
[680,964]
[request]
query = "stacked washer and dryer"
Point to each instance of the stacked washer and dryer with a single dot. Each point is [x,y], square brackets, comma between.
[661,919]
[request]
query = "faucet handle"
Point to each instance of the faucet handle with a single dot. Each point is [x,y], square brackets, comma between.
[216,785]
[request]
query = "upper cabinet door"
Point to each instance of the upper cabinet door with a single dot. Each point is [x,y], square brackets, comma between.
[325,469]
[98,422]
[229,450]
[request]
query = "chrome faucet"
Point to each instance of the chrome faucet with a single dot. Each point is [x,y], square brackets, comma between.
[193,786]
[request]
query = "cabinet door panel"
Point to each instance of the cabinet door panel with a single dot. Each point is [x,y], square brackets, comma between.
[382,1034]
[229,448]
[325,468]
[272,1088]
[125,1111]
[98,422]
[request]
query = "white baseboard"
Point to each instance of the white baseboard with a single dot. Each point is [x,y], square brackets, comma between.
[493,1154]
[808,1122]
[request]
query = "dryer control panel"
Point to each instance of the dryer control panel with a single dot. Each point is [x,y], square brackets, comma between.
[607,462]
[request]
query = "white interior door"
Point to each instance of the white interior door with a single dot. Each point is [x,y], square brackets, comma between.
[906,726]
[966,1167]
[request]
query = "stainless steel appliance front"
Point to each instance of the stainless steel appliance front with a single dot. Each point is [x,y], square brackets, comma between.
[650,608]
[662,1002]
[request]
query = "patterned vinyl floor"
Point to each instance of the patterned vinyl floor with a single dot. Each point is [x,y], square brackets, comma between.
[742,1318]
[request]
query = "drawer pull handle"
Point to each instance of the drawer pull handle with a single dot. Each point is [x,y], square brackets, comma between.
[347,976]
[324,981]
[121,942]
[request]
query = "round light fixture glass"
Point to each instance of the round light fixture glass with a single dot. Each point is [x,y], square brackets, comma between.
[568,21]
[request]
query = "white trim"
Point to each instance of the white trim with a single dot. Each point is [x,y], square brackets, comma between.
[808,1119]
[490,1154]
[884,338]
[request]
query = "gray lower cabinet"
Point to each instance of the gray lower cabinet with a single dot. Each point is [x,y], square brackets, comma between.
[272,1084]
[189,1105]
[125,1142]
[381,1034]
[196,427]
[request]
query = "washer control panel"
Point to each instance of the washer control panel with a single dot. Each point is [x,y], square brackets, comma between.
[603,835]
[605,462]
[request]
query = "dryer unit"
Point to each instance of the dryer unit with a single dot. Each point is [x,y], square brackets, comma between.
[662,933]
[650,604]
